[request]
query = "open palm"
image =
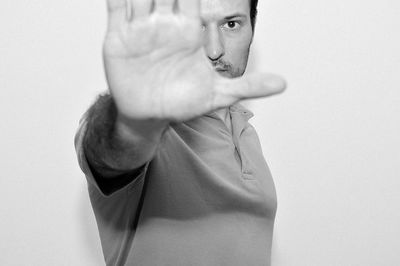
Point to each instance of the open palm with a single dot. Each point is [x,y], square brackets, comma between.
[156,67]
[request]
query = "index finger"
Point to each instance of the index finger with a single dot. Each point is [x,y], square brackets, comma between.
[189,8]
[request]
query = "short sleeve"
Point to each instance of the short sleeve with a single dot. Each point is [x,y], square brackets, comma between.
[105,187]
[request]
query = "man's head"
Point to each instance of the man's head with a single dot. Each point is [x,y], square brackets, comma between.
[229,27]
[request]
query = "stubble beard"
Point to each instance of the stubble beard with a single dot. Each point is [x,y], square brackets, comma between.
[228,70]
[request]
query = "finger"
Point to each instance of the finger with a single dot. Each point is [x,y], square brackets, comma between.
[229,91]
[141,8]
[117,13]
[164,6]
[189,8]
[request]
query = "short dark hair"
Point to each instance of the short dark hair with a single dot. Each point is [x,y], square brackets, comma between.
[253,12]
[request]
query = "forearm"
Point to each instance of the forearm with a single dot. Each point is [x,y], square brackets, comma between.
[115,145]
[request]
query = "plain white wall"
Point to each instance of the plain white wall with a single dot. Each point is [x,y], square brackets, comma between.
[331,140]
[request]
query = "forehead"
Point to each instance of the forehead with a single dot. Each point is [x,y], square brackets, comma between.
[216,9]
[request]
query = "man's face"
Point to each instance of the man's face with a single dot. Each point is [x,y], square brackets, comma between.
[228,34]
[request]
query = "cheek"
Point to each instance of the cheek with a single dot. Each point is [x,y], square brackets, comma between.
[237,53]
[237,49]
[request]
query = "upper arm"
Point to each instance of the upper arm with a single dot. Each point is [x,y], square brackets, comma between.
[105,186]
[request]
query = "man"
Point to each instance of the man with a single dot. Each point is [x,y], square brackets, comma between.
[175,172]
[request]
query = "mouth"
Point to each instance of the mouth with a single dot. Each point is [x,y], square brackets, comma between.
[223,72]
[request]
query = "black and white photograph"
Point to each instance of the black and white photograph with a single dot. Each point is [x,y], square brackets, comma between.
[200,133]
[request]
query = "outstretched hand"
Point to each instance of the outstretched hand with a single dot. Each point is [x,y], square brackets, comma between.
[156,67]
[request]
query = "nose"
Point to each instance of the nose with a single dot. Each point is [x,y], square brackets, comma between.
[214,45]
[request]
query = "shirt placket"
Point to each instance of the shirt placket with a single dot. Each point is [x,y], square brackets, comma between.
[239,123]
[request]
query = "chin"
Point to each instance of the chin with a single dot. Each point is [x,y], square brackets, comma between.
[225,74]
[231,74]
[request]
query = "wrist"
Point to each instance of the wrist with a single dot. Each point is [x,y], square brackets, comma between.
[133,130]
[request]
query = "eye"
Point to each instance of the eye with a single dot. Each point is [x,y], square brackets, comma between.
[231,25]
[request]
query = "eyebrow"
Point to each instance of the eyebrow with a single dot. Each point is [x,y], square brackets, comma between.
[229,17]
[236,15]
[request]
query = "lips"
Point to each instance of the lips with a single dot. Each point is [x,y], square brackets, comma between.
[223,72]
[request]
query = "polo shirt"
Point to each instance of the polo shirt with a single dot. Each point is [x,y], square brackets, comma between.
[207,198]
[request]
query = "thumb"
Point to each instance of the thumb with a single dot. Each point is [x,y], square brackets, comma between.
[229,91]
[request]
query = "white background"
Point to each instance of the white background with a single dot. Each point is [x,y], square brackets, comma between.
[332,140]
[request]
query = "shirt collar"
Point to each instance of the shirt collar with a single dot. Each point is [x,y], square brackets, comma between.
[240,109]
[236,109]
